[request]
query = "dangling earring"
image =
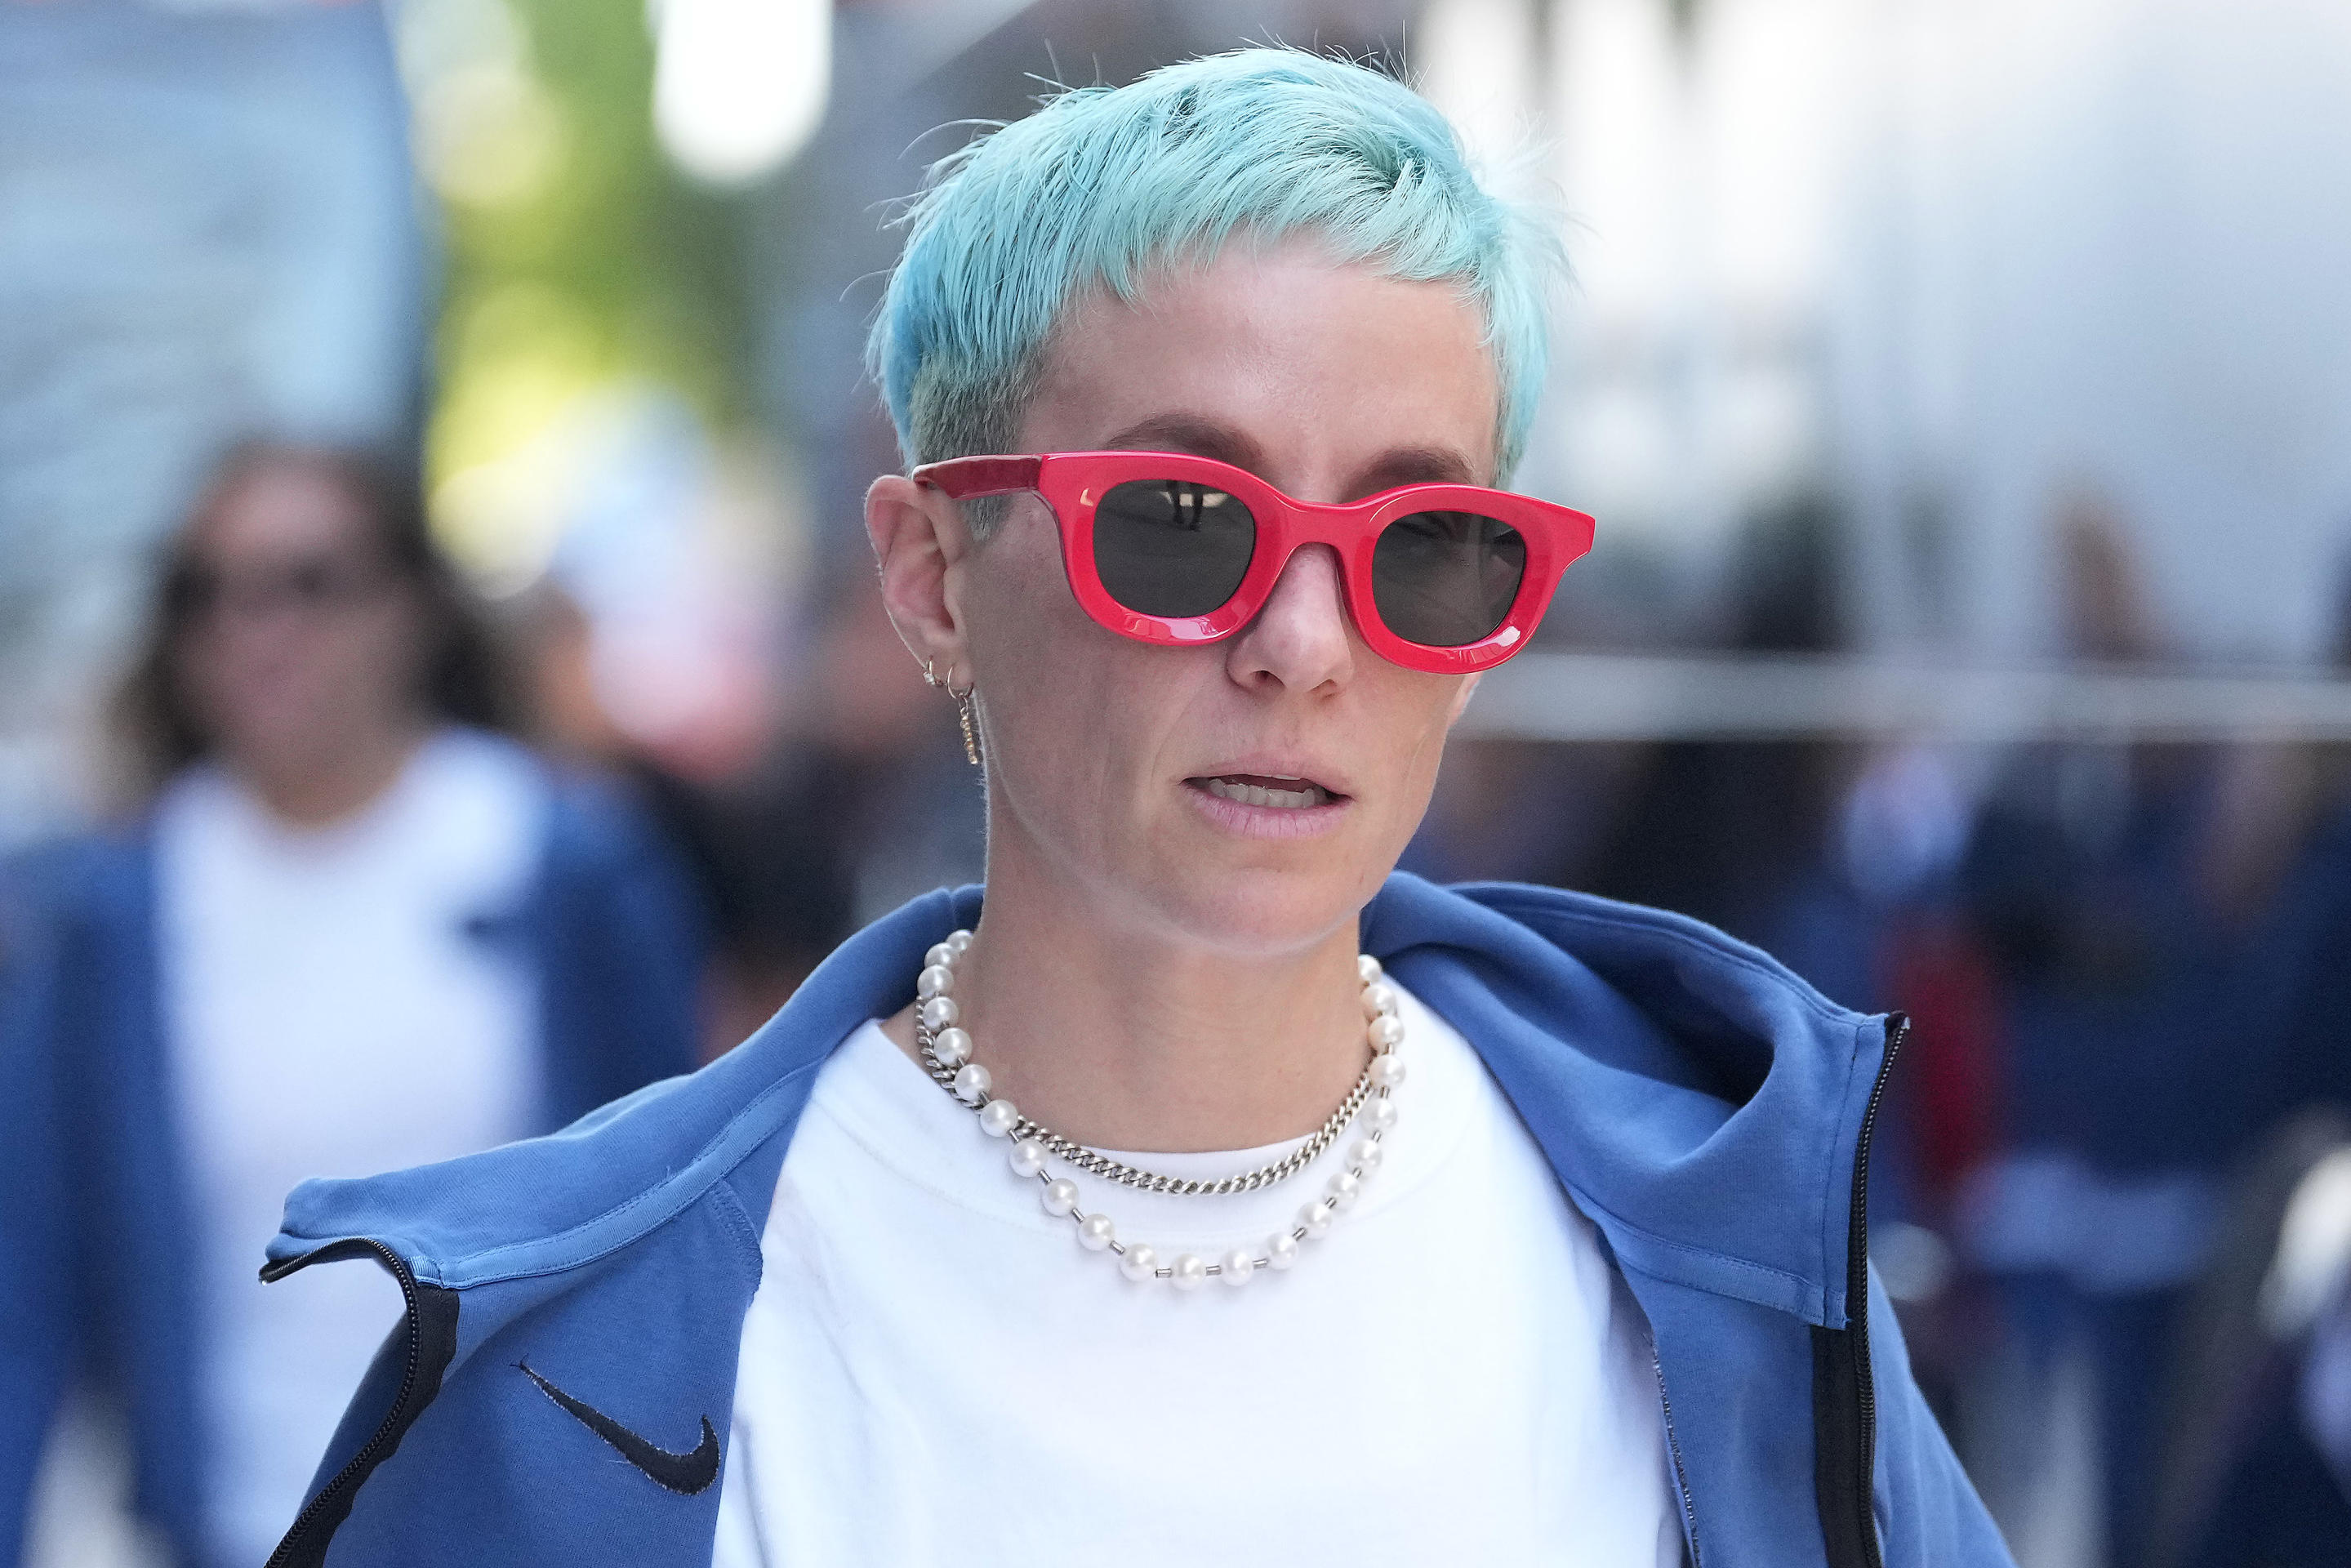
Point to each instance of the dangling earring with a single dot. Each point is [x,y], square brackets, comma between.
[963,716]
[931,677]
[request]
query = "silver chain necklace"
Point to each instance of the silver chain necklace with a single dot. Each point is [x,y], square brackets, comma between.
[946,1048]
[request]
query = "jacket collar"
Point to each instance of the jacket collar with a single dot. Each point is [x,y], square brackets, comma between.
[1702,1105]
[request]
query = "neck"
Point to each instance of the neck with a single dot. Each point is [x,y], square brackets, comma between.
[1126,1037]
[327,784]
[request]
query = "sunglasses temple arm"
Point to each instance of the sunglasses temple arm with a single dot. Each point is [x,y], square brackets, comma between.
[973,492]
[967,478]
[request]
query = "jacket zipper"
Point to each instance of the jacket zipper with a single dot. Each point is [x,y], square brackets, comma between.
[1857,1289]
[1856,1317]
[1674,1448]
[387,1430]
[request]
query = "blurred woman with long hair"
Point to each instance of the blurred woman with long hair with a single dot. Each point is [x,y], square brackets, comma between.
[346,922]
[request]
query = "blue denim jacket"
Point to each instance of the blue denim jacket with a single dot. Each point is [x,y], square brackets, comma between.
[1710,1111]
[95,1232]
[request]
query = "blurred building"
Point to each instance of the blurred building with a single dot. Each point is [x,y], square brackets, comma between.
[1945,261]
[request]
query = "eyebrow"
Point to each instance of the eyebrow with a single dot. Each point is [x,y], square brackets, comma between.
[1416,465]
[1206,437]
[1191,433]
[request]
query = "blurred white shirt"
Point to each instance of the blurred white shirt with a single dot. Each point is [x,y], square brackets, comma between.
[933,1372]
[337,1003]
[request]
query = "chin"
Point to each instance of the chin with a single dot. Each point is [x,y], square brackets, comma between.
[1258,911]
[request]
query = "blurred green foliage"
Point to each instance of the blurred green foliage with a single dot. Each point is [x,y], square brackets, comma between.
[577,256]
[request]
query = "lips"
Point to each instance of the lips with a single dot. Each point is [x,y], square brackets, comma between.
[1280,791]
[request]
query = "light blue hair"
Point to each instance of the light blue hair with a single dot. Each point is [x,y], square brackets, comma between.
[1104,186]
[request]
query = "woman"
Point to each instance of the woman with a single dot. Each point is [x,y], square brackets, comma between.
[348,926]
[1202,1192]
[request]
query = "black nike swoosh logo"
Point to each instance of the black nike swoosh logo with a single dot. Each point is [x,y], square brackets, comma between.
[686,1473]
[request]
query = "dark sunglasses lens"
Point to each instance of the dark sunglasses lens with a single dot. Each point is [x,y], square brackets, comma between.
[1445,580]
[189,591]
[1164,546]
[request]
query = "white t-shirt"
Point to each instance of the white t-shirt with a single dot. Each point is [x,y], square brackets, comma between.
[329,1012]
[934,1372]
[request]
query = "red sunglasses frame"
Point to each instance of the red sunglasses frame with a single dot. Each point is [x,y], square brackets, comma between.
[1073,483]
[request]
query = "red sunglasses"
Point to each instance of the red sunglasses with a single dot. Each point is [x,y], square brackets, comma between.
[1166,547]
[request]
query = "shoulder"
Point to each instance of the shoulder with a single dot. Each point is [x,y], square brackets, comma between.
[550,1204]
[101,875]
[1546,980]
[594,824]
[1521,932]
[600,820]
[76,937]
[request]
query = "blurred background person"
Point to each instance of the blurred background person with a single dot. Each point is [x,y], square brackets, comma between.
[2258,1473]
[2115,973]
[349,923]
[2258,1447]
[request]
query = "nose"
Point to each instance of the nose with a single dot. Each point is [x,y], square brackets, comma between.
[1301,639]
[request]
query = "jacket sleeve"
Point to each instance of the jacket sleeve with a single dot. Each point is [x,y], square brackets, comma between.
[36,1333]
[1927,1509]
[622,938]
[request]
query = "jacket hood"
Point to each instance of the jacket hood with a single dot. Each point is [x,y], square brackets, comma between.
[1702,1106]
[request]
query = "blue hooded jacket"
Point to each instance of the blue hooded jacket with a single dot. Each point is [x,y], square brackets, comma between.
[1710,1111]
[95,1228]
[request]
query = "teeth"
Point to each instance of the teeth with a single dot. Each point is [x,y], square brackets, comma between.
[1255,795]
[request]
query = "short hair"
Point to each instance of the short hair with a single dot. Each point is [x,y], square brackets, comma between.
[1104,184]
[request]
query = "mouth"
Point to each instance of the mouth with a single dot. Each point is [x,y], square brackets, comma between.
[1276,791]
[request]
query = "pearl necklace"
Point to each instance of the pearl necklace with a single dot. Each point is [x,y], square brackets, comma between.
[946,1047]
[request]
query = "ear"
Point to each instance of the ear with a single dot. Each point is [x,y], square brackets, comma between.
[1461,699]
[920,541]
